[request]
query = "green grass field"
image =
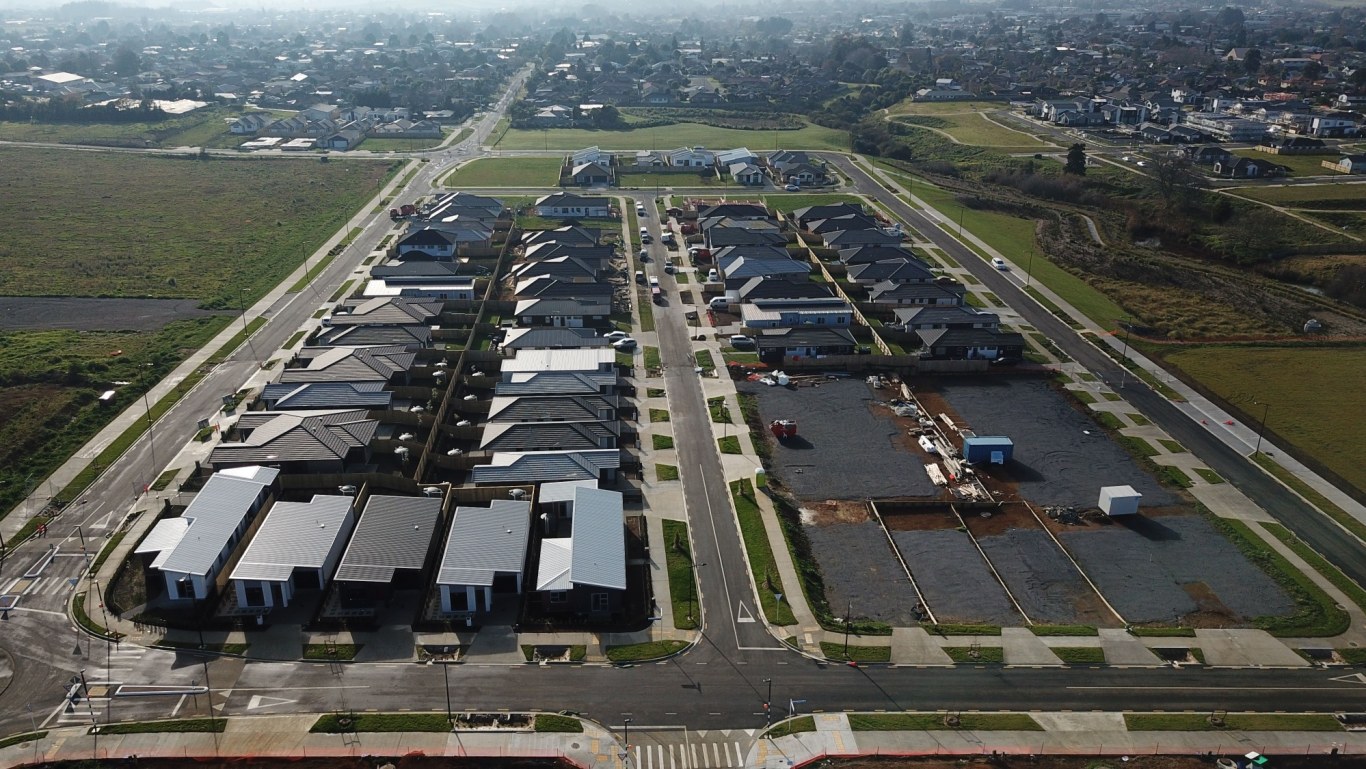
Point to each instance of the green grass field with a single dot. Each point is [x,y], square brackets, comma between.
[1305,388]
[974,128]
[1299,165]
[506,172]
[909,107]
[169,228]
[1336,196]
[203,127]
[811,137]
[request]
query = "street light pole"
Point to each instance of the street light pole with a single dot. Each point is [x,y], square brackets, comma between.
[768,703]
[446,673]
[1124,356]
[1266,408]
[246,329]
[151,439]
[626,726]
[1029,267]
[848,620]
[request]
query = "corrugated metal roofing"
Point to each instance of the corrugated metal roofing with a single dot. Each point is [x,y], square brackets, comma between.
[566,360]
[553,571]
[350,364]
[214,515]
[562,491]
[164,536]
[326,395]
[295,535]
[552,408]
[543,466]
[378,336]
[394,533]
[599,535]
[486,541]
[555,383]
[549,436]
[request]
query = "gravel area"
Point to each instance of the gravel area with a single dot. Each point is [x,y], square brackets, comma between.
[1055,461]
[861,572]
[843,449]
[1150,569]
[1044,582]
[956,582]
[33,313]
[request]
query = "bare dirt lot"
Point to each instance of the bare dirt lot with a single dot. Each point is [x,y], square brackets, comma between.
[1061,456]
[1170,568]
[36,313]
[847,447]
[954,578]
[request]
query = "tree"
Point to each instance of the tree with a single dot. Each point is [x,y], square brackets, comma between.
[1252,61]
[1174,180]
[126,62]
[1076,160]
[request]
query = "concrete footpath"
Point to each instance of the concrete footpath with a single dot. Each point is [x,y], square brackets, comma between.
[826,735]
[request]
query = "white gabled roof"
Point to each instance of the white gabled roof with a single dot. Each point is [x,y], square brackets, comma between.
[163,538]
[295,535]
[570,359]
[214,515]
[562,491]
[553,573]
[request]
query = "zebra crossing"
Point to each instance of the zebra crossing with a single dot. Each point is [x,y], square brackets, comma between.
[684,749]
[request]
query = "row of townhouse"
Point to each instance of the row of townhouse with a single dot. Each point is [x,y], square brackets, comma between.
[540,428]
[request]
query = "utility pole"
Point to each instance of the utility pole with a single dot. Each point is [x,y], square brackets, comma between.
[768,703]
[151,440]
[446,673]
[848,620]
[1124,356]
[1266,408]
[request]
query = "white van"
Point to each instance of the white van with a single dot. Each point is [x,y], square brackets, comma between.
[718,303]
[713,276]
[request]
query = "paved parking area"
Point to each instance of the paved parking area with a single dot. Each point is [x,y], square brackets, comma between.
[844,449]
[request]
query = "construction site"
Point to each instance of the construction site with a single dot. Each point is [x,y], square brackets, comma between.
[993,500]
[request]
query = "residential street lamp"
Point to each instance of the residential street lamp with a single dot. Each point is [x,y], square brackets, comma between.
[1266,408]
[768,703]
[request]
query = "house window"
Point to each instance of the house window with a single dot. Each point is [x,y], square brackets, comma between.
[558,596]
[599,602]
[255,596]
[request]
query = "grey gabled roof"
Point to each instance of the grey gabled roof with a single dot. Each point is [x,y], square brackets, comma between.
[541,436]
[285,436]
[385,311]
[295,535]
[375,336]
[214,515]
[550,408]
[485,542]
[512,467]
[394,533]
[307,396]
[555,383]
[349,364]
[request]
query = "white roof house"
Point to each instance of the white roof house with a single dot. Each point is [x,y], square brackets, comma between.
[572,359]
[483,543]
[192,548]
[594,555]
[296,537]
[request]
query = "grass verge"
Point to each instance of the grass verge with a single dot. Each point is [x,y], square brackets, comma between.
[921,722]
[679,563]
[1309,493]
[1209,475]
[653,361]
[730,444]
[659,415]
[1252,722]
[793,726]
[160,727]
[982,655]
[1318,615]
[20,739]
[666,472]
[762,565]
[1080,655]
[641,652]
[834,650]
[1322,565]
[557,724]
[1064,630]
[340,723]
[331,651]
[661,442]
[965,629]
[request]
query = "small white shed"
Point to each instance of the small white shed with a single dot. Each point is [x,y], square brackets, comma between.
[1119,500]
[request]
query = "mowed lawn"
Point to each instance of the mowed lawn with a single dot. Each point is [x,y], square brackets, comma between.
[974,128]
[107,224]
[1335,196]
[506,172]
[810,137]
[1314,393]
[203,127]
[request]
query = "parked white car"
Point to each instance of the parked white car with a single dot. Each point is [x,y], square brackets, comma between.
[625,343]
[1000,264]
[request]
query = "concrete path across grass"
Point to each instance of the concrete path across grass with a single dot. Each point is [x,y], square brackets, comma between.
[1022,647]
[1245,648]
[914,646]
[1122,648]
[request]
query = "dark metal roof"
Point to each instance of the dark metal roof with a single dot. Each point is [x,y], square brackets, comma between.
[306,396]
[544,466]
[556,383]
[355,336]
[284,436]
[549,436]
[394,533]
[552,408]
[349,364]
[485,542]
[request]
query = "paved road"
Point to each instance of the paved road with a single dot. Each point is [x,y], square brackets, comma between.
[1307,523]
